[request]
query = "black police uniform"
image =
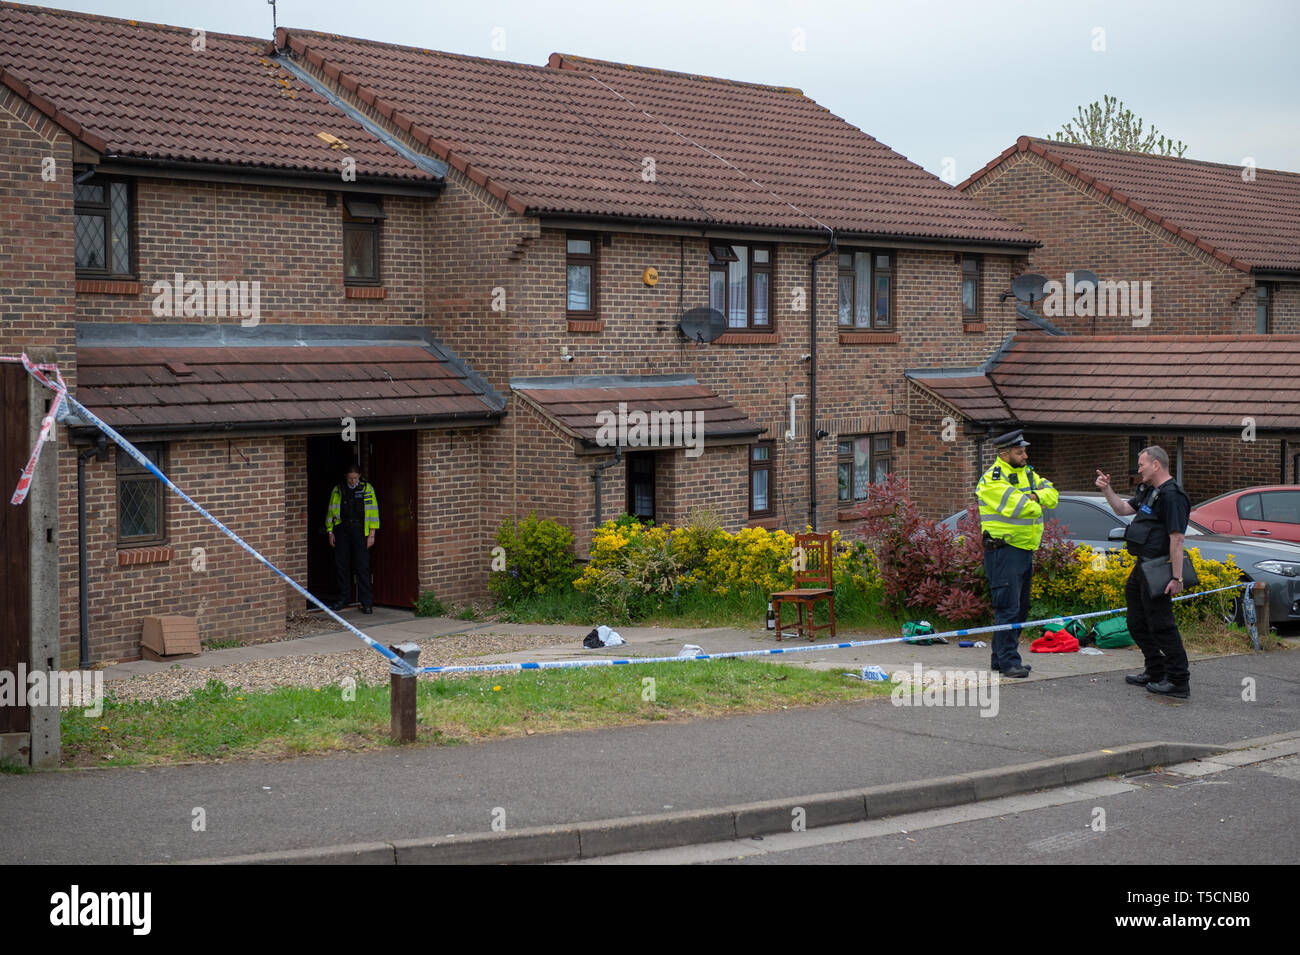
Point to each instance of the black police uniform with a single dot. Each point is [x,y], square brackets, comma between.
[350,551]
[1159,512]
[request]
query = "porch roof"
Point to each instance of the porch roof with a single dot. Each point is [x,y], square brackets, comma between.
[1115,382]
[183,379]
[576,403]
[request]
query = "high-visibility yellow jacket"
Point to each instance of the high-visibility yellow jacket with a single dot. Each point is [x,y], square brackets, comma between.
[1007,511]
[334,516]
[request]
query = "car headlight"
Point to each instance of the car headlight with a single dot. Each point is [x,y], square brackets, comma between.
[1279,567]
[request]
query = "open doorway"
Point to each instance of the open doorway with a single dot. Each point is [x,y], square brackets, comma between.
[327,463]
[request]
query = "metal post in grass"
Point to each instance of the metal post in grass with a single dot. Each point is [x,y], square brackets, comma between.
[402,693]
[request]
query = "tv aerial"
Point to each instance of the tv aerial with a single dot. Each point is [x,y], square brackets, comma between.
[703,325]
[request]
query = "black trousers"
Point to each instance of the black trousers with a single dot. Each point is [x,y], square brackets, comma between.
[1151,623]
[352,556]
[1010,572]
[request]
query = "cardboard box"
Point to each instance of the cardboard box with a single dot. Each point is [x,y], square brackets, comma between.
[170,638]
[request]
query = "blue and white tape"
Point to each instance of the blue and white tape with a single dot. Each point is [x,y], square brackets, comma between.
[775,651]
[86,415]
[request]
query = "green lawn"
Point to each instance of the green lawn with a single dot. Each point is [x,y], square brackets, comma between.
[219,722]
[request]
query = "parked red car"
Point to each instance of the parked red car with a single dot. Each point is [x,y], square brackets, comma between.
[1271,512]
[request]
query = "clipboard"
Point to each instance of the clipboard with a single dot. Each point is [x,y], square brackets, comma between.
[1156,572]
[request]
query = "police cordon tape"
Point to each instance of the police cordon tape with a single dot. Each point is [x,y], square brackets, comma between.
[61,405]
[63,401]
[575,664]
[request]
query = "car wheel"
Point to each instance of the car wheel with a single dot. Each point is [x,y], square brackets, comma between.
[1235,613]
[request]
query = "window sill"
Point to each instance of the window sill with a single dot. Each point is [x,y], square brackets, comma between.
[869,338]
[365,291]
[586,324]
[129,556]
[107,287]
[974,326]
[747,338]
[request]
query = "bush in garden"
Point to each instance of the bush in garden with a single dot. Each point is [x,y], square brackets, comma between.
[632,567]
[539,559]
[923,564]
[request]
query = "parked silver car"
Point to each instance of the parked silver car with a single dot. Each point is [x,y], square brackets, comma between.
[1088,519]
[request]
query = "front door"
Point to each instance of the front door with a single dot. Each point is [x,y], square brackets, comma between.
[394,560]
[327,463]
[641,485]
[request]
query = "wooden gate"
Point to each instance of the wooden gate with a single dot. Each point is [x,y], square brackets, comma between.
[15,582]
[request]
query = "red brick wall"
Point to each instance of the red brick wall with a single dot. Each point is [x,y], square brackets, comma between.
[453,557]
[941,474]
[297,525]
[234,597]
[1191,292]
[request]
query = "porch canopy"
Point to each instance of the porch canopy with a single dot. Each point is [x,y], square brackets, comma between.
[170,381]
[637,411]
[1124,384]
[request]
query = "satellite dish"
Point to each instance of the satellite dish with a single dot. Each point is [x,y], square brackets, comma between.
[1083,279]
[1029,287]
[703,324]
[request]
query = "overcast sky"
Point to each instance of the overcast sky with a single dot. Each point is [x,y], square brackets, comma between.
[933,80]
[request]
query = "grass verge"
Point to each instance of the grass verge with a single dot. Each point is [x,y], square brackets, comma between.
[219,722]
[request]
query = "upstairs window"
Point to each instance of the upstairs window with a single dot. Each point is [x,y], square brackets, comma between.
[1263,309]
[363,218]
[580,268]
[104,228]
[970,287]
[740,285]
[866,290]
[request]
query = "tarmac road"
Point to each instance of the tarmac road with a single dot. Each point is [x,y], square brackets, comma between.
[145,815]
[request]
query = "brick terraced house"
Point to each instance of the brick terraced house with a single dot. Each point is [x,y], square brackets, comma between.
[1208,369]
[464,268]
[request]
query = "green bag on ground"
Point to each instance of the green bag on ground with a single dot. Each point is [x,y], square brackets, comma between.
[1113,634]
[917,630]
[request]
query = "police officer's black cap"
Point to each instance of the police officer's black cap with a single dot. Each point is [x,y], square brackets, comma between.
[1012,439]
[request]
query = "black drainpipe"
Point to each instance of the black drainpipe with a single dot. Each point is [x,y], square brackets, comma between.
[98,450]
[812,387]
[595,476]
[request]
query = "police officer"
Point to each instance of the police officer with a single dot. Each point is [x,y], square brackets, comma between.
[1162,509]
[1012,499]
[352,520]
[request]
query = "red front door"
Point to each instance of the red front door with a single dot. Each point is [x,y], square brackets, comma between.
[390,468]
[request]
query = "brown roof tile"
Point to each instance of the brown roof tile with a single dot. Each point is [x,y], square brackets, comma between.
[1246,220]
[260,387]
[139,90]
[1206,381]
[575,403]
[570,139]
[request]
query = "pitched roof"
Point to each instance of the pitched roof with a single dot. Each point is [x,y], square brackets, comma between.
[187,379]
[140,91]
[1249,219]
[1126,382]
[575,404]
[574,137]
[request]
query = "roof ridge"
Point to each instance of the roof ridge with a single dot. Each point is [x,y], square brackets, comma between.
[557,61]
[30,8]
[1137,152]
[294,31]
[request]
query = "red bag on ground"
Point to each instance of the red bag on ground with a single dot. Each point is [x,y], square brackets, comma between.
[1060,641]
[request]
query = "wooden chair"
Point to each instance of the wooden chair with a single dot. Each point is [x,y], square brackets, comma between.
[817,569]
